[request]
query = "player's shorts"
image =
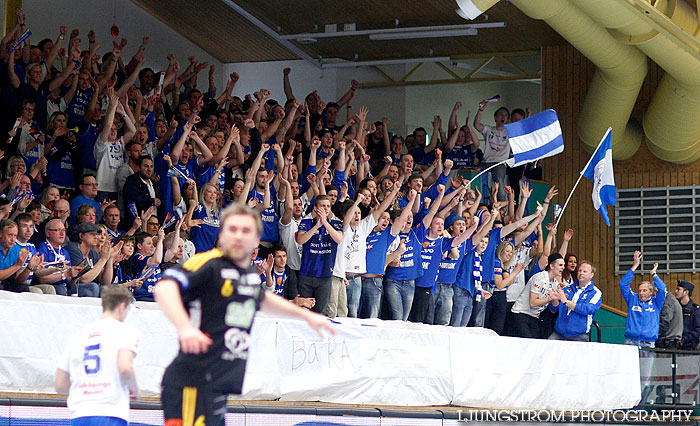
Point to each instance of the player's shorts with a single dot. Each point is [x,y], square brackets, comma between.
[191,406]
[98,421]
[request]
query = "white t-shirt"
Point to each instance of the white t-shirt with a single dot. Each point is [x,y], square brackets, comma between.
[288,239]
[109,156]
[352,251]
[540,285]
[91,360]
[521,255]
[496,145]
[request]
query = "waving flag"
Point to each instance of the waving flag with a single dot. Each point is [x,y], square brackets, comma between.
[600,171]
[496,98]
[533,138]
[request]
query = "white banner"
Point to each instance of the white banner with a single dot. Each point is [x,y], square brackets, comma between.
[369,362]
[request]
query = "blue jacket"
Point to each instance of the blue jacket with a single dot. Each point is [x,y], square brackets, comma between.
[642,317]
[574,323]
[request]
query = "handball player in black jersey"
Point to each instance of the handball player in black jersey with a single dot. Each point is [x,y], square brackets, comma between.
[222,293]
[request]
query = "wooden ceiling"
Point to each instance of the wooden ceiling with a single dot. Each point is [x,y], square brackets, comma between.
[225,34]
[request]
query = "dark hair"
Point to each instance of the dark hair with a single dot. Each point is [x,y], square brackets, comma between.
[34,205]
[131,144]
[144,71]
[23,217]
[110,207]
[82,178]
[43,42]
[278,247]
[144,157]
[332,105]
[518,111]
[419,129]
[502,108]
[331,188]
[140,237]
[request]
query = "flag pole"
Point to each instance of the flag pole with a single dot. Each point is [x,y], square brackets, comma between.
[486,170]
[580,175]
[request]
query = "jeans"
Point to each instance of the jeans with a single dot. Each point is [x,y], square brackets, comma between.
[443,304]
[421,305]
[478,314]
[399,297]
[353,295]
[498,175]
[461,307]
[579,338]
[318,288]
[371,297]
[83,289]
[640,343]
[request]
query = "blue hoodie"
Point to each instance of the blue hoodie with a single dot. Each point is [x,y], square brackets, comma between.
[642,317]
[574,323]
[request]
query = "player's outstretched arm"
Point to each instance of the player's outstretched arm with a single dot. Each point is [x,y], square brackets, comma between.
[192,340]
[275,304]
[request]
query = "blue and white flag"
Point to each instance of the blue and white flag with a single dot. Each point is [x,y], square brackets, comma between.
[600,171]
[533,138]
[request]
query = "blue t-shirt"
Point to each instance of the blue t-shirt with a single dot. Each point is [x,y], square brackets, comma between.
[377,245]
[145,292]
[87,135]
[269,216]
[32,251]
[410,266]
[205,175]
[318,254]
[279,279]
[61,172]
[6,261]
[204,236]
[431,254]
[489,255]
[54,255]
[461,156]
[78,105]
[447,274]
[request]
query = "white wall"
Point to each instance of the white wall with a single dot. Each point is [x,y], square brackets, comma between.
[303,77]
[44,17]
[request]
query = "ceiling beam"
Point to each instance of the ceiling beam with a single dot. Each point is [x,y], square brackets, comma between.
[381,84]
[397,30]
[272,33]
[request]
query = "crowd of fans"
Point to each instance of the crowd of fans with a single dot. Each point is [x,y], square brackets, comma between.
[115,172]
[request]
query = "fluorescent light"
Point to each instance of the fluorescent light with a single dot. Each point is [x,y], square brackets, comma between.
[424,34]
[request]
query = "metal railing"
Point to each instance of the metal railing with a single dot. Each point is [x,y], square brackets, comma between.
[670,378]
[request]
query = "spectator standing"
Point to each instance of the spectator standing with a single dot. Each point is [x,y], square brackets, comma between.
[670,324]
[643,307]
[691,315]
[576,305]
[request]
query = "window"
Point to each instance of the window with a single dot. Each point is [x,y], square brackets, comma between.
[662,223]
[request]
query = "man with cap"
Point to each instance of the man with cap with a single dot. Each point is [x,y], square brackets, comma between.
[643,307]
[691,315]
[540,290]
[99,259]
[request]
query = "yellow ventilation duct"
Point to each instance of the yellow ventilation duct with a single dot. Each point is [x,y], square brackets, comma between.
[620,72]
[672,133]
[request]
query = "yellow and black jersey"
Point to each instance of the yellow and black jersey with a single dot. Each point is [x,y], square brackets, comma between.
[222,300]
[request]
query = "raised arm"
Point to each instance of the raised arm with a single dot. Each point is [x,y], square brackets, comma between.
[568,235]
[109,117]
[287,85]
[434,207]
[477,118]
